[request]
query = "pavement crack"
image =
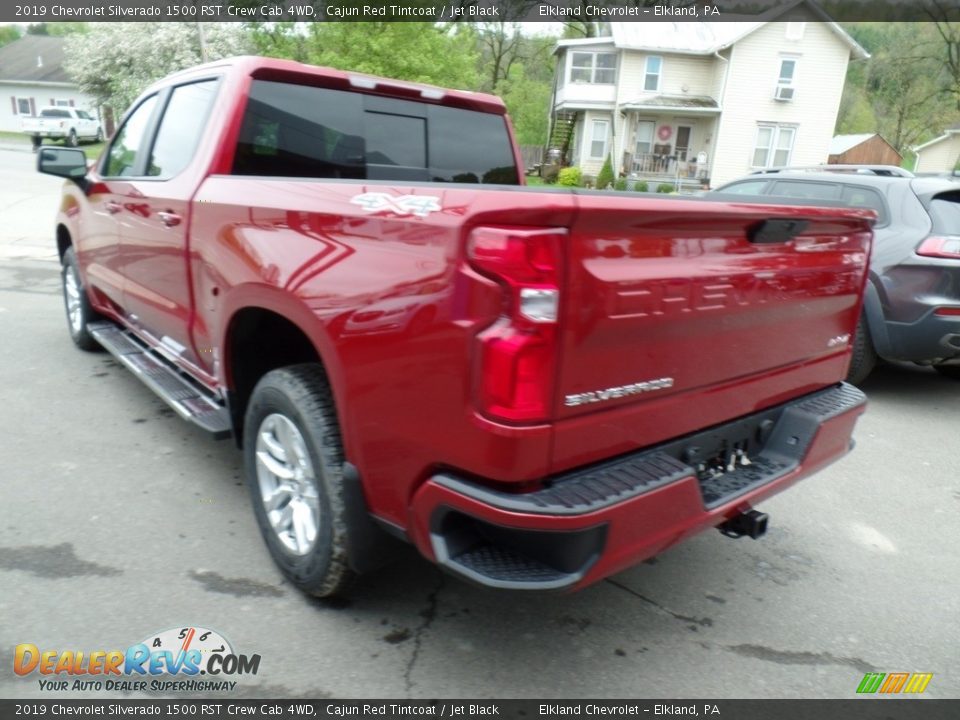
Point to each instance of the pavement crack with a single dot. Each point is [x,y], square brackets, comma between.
[429,614]
[697,622]
[789,657]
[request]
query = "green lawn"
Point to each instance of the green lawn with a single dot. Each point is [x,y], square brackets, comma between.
[92,150]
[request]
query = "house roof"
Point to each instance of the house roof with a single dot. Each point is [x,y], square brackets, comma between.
[33,58]
[842,143]
[948,133]
[675,101]
[706,38]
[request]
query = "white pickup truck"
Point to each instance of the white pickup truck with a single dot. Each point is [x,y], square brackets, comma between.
[62,123]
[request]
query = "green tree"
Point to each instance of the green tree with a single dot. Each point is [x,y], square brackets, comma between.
[8,34]
[432,53]
[898,92]
[115,62]
[58,29]
[605,178]
[528,102]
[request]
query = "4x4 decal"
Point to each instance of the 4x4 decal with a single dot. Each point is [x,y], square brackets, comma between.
[419,205]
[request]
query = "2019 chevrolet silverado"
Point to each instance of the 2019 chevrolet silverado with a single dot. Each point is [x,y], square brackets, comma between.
[537,388]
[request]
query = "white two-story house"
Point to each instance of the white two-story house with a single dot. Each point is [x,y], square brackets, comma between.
[703,102]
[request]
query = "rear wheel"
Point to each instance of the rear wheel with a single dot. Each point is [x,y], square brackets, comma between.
[72,138]
[79,311]
[950,371]
[864,356]
[294,469]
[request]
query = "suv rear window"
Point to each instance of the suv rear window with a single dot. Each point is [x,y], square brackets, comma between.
[945,213]
[299,131]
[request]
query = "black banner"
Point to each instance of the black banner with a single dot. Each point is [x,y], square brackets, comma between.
[464,10]
[221,709]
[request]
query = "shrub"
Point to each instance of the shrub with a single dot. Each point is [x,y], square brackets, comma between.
[641,186]
[665,188]
[570,177]
[620,184]
[605,178]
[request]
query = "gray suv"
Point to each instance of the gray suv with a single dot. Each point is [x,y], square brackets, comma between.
[911,307]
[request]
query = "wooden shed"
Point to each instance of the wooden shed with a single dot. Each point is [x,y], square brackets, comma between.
[862,149]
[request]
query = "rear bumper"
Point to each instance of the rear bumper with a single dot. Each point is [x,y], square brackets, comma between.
[590,523]
[931,338]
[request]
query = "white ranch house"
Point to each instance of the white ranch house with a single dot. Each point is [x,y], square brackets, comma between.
[702,102]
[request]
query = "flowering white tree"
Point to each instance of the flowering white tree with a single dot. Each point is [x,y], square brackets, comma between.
[115,62]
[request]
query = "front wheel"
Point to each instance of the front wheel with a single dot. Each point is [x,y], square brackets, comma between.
[294,469]
[79,311]
[99,136]
[950,371]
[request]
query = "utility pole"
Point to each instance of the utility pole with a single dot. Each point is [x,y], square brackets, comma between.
[203,42]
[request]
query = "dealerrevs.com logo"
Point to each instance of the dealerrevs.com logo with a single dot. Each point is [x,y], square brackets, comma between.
[188,659]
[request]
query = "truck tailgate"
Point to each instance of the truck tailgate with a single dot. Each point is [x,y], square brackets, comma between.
[673,298]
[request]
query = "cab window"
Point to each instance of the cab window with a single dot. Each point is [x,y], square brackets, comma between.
[127,146]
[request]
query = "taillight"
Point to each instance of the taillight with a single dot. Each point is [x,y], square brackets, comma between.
[518,354]
[940,246]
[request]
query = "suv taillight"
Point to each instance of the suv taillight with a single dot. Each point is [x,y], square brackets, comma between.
[518,353]
[940,246]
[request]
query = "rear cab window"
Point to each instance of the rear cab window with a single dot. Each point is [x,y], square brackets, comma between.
[309,132]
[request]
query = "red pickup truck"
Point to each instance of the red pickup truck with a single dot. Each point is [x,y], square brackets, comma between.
[537,388]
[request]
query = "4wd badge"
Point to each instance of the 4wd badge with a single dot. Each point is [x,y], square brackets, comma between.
[419,205]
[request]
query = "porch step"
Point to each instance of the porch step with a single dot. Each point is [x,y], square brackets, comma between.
[186,397]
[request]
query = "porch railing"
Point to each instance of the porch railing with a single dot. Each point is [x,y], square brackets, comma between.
[667,165]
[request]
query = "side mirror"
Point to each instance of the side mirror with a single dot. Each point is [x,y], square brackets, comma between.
[69,163]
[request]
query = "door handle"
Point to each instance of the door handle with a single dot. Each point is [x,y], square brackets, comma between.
[168,218]
[113,207]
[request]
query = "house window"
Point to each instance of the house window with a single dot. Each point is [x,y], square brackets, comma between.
[62,103]
[651,76]
[595,68]
[23,106]
[795,30]
[786,87]
[599,130]
[774,146]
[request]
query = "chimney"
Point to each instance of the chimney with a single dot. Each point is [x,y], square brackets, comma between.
[40,61]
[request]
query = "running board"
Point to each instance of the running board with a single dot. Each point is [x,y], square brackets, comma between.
[187,398]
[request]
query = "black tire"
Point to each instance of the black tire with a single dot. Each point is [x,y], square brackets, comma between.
[36,141]
[72,138]
[301,394]
[85,314]
[950,371]
[864,356]
[99,136]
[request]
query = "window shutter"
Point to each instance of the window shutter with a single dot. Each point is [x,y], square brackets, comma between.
[13,102]
[33,107]
[71,103]
[52,101]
